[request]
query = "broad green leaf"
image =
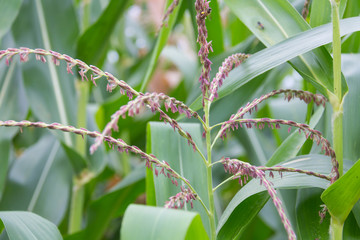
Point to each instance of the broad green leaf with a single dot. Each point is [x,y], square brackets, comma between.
[169,146]
[341,196]
[29,226]
[50,90]
[160,43]
[314,162]
[292,144]
[93,44]
[8,12]
[281,21]
[273,56]
[39,181]
[113,204]
[145,222]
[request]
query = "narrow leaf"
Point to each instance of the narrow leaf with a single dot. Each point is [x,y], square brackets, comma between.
[160,43]
[92,45]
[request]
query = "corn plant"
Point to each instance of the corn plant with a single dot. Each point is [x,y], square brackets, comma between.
[189,159]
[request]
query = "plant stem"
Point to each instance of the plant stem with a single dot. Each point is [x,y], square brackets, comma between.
[76,208]
[336,229]
[78,191]
[337,107]
[209,172]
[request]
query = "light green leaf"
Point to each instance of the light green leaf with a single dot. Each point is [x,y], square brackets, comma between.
[350,43]
[169,146]
[29,226]
[161,223]
[273,56]
[8,12]
[281,21]
[321,12]
[351,102]
[42,177]
[341,196]
[13,105]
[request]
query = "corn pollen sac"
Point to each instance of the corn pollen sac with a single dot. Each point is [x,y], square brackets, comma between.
[260,25]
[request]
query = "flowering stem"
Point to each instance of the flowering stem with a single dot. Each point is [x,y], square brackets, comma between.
[277,169]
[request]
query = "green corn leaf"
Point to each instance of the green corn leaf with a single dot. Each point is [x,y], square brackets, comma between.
[342,195]
[169,146]
[144,222]
[29,226]
[273,56]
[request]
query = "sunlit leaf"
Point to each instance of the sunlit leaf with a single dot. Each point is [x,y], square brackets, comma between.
[284,51]
[161,223]
[167,145]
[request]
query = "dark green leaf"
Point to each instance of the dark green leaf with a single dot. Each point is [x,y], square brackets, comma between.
[92,45]
[113,204]
[307,208]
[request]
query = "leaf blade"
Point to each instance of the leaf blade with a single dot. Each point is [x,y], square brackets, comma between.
[27,225]
[161,223]
[273,56]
